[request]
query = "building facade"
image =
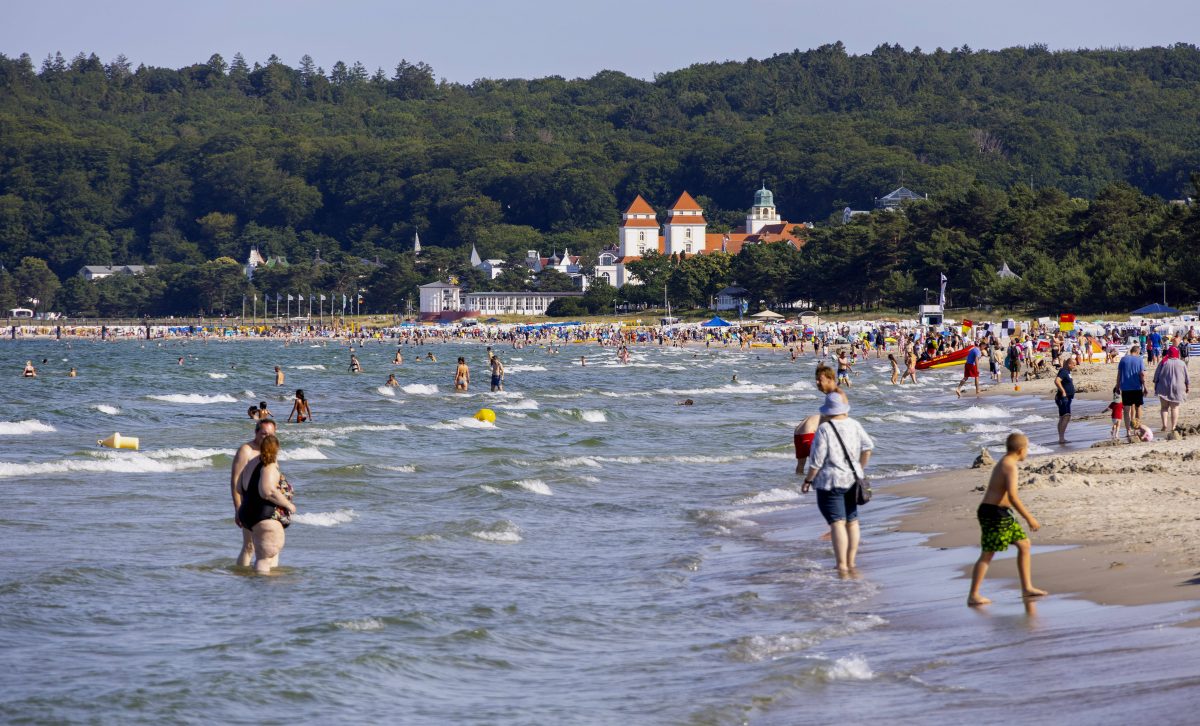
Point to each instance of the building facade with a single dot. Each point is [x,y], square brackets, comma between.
[686,232]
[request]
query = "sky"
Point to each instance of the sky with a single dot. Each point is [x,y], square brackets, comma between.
[464,40]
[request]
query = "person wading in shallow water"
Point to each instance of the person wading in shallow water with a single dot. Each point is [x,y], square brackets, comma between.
[247,455]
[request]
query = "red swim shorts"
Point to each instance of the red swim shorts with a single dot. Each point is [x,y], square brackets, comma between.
[970,370]
[803,444]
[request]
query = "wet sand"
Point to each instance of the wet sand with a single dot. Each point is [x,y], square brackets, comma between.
[1128,512]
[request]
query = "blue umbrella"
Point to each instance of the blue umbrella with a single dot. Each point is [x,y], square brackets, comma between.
[1155,309]
[716,322]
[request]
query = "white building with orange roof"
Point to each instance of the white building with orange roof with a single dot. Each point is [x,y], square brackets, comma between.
[686,232]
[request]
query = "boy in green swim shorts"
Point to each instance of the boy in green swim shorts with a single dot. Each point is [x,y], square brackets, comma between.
[999,527]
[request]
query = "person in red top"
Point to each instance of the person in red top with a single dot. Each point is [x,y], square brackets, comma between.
[1118,413]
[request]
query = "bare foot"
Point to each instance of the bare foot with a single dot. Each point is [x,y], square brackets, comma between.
[1033,592]
[957,393]
[825,536]
[977,601]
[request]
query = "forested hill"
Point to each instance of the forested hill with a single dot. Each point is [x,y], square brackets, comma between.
[104,163]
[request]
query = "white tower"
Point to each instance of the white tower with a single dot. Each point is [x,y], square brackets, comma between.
[639,230]
[763,212]
[685,227]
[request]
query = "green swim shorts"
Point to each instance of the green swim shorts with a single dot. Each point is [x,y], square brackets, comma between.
[999,527]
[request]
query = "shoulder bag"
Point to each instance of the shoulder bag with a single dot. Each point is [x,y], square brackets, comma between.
[863,483]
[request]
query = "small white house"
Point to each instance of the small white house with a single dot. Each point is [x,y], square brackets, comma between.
[438,297]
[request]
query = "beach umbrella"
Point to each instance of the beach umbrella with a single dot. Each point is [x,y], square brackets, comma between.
[716,322]
[767,315]
[1155,309]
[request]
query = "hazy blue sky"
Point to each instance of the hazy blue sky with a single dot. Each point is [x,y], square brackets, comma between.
[465,40]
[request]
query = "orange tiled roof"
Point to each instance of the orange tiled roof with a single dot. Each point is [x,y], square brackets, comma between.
[686,219]
[640,223]
[640,206]
[685,201]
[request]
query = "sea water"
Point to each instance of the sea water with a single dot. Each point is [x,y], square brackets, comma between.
[599,554]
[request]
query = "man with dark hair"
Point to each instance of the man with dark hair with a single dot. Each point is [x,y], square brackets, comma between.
[247,456]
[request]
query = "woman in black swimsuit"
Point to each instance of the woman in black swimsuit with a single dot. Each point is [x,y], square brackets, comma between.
[266,506]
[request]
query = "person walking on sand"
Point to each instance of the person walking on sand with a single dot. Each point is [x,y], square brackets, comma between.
[970,370]
[462,375]
[834,474]
[247,455]
[1064,393]
[278,376]
[1171,385]
[999,528]
[1131,384]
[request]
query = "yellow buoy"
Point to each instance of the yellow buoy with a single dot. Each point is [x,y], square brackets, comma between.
[486,414]
[117,441]
[1016,388]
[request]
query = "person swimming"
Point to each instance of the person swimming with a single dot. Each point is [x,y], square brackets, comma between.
[391,381]
[30,371]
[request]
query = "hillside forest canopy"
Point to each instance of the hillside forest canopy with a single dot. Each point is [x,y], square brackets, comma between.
[1073,167]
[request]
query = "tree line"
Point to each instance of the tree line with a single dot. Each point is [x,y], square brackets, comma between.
[1025,154]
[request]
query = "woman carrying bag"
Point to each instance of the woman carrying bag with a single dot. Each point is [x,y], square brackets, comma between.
[841,484]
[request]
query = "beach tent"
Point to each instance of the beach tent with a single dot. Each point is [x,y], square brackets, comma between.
[767,315]
[1155,309]
[716,322]
[492,320]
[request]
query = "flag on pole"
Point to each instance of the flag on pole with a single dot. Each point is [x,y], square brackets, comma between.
[278,296]
[942,294]
[343,302]
[290,298]
[967,325]
[322,298]
[1066,322]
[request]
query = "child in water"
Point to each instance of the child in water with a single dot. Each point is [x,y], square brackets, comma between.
[1118,413]
[999,527]
[895,368]
[300,409]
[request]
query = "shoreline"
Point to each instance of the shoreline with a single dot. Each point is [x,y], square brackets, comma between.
[1121,518]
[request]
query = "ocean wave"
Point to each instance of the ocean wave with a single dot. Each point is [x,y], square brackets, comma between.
[21,428]
[523,369]
[218,376]
[771,495]
[849,668]
[386,391]
[420,389]
[403,469]
[592,416]
[186,452]
[489,489]
[363,624]
[465,422]
[1034,418]
[985,428]
[304,453]
[105,408]
[317,367]
[537,486]
[956,414]
[761,647]
[325,519]
[195,398]
[343,430]
[521,405]
[517,414]
[738,388]
[502,532]
[122,463]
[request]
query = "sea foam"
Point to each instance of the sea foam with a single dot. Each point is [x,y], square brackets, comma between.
[105,408]
[325,519]
[194,398]
[424,389]
[537,486]
[21,428]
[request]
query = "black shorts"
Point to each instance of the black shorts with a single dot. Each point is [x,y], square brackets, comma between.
[1131,398]
[1064,405]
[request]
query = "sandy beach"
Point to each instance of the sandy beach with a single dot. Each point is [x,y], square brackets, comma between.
[1128,512]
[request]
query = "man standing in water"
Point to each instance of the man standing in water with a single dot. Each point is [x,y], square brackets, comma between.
[247,455]
[497,374]
[278,376]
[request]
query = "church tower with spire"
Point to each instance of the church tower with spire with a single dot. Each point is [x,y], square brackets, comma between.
[763,212]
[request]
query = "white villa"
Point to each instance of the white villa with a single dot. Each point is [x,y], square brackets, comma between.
[441,300]
[99,272]
[686,232]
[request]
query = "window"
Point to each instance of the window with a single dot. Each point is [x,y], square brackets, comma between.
[641,236]
[688,248]
[688,233]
